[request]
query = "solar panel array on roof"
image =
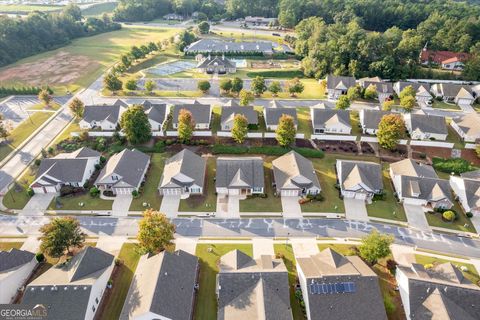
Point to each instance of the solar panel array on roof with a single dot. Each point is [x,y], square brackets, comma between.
[338,287]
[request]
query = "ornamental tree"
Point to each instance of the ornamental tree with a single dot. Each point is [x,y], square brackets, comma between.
[258,85]
[246,97]
[61,235]
[375,246]
[203,86]
[76,107]
[186,125]
[135,125]
[275,88]
[343,103]
[237,85]
[285,133]
[155,232]
[239,128]
[407,103]
[390,129]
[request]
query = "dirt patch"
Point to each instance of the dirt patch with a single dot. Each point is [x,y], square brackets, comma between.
[471,156]
[266,65]
[431,152]
[59,69]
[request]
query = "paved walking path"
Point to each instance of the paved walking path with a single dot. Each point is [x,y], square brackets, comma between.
[111,244]
[186,244]
[31,244]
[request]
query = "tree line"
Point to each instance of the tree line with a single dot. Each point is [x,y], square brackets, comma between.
[42,31]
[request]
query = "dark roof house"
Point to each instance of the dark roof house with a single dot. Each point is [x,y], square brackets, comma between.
[239,173]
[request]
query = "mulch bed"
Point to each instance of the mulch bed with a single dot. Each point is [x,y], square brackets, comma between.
[432,152]
[337,146]
[471,156]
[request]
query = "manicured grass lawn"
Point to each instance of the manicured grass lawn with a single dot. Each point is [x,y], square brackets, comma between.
[345,249]
[5,246]
[89,203]
[389,208]
[289,259]
[312,90]
[471,274]
[27,8]
[388,285]
[355,122]
[304,122]
[217,113]
[453,137]
[442,105]
[99,8]
[150,190]
[268,204]
[206,304]
[72,127]
[22,132]
[206,202]
[435,220]
[261,120]
[16,197]
[121,282]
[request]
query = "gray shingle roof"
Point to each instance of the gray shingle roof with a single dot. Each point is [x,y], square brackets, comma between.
[356,172]
[365,302]
[293,171]
[228,113]
[409,167]
[100,113]
[452,90]
[183,170]
[323,116]
[475,175]
[200,112]
[129,164]
[215,60]
[164,285]
[372,118]
[272,115]
[415,85]
[340,82]
[428,123]
[382,87]
[428,188]
[219,46]
[14,258]
[241,172]
[154,111]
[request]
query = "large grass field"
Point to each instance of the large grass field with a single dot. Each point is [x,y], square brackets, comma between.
[150,190]
[206,304]
[78,64]
[208,201]
[20,8]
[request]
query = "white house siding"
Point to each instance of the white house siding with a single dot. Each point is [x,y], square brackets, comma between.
[463,101]
[460,132]
[303,285]
[156,126]
[14,280]
[98,288]
[334,94]
[403,288]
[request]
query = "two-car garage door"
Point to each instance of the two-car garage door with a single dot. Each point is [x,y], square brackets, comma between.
[289,193]
[171,191]
[42,190]
[123,190]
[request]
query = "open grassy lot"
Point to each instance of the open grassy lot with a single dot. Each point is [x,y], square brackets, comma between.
[268,204]
[16,197]
[99,9]
[389,208]
[22,132]
[78,64]
[73,203]
[5,246]
[115,298]
[150,189]
[19,8]
[286,252]
[206,202]
[461,224]
[66,133]
[471,274]
[206,304]
[304,122]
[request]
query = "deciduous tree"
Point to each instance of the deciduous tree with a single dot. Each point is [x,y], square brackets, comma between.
[370,92]
[258,85]
[407,103]
[112,82]
[295,86]
[239,128]
[186,125]
[203,27]
[155,232]
[45,97]
[135,125]
[60,236]
[390,129]
[226,85]
[285,133]
[246,97]
[150,85]
[375,246]
[407,91]
[237,85]
[343,103]
[131,85]
[203,86]
[76,107]
[275,87]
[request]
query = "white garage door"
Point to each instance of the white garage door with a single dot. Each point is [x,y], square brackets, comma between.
[123,190]
[234,191]
[51,189]
[360,196]
[38,190]
[289,193]
[172,191]
[464,101]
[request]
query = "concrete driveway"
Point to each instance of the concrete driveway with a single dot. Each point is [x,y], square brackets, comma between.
[170,205]
[355,209]
[121,205]
[416,217]
[37,204]
[111,244]
[262,246]
[291,208]
[186,244]
[304,247]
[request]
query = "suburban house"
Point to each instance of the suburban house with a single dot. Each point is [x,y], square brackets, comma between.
[336,287]
[239,176]
[201,113]
[259,21]
[105,117]
[330,121]
[370,119]
[440,57]
[156,113]
[384,89]
[338,85]
[422,90]
[441,292]
[163,287]
[250,288]
[424,127]
[273,115]
[214,46]
[359,179]
[74,290]
[124,172]
[454,63]
[418,184]
[295,176]
[216,65]
[16,266]
[467,127]
[229,113]
[184,174]
[173,16]
[65,169]
[467,189]
[459,94]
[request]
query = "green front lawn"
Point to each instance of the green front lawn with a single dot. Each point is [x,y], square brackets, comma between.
[355,123]
[389,208]
[304,122]
[206,202]
[471,274]
[345,249]
[206,304]
[66,133]
[461,224]
[73,203]
[216,118]
[453,137]
[443,105]
[16,198]
[150,189]
[268,204]
[288,257]
[5,246]
[115,297]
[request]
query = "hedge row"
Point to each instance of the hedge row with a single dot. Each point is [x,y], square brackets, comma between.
[455,165]
[266,150]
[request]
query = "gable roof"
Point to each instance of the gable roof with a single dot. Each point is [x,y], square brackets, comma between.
[471,189]
[473,175]
[409,167]
[163,284]
[97,113]
[428,123]
[213,45]
[439,306]
[330,117]
[201,112]
[272,115]
[382,87]
[13,259]
[183,170]
[216,61]
[293,171]
[371,118]
[241,172]
[454,90]
[155,111]
[128,164]
[229,113]
[354,173]
[430,189]
[424,86]
[340,82]
[439,56]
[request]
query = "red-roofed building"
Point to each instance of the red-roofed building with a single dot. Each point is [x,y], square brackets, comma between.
[454,63]
[451,60]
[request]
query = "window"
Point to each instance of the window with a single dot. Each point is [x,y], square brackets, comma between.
[93,308]
[96,300]
[257,189]
[114,178]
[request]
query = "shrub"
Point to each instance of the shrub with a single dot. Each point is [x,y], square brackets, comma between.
[469,214]
[40,257]
[279,255]
[135,193]
[30,192]
[455,165]
[37,162]
[94,192]
[118,262]
[391,265]
[389,304]
[319,197]
[449,215]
